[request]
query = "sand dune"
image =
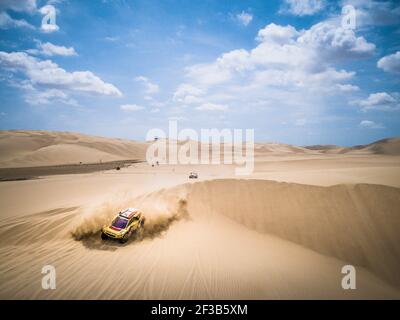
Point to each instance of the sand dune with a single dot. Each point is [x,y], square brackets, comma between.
[225,239]
[390,146]
[44,148]
[217,238]
[355,223]
[279,148]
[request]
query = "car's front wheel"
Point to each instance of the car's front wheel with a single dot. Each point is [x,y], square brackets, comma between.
[104,236]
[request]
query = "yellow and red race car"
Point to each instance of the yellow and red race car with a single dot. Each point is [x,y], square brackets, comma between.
[126,223]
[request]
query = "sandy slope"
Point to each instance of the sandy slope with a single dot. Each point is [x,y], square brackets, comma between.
[329,169]
[389,146]
[214,239]
[386,146]
[42,148]
[221,237]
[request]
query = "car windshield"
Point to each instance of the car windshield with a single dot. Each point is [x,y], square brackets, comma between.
[120,223]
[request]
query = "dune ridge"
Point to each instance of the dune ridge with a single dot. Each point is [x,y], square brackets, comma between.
[356,223]
[224,238]
[217,238]
[43,148]
[388,146]
[28,148]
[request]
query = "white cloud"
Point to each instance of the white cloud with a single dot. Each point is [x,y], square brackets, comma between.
[49,49]
[48,74]
[244,18]
[42,96]
[367,124]
[7,22]
[390,63]
[347,87]
[335,43]
[277,34]
[380,101]
[131,107]
[208,74]
[111,39]
[150,88]
[49,96]
[290,55]
[237,60]
[289,70]
[327,80]
[302,7]
[212,107]
[188,94]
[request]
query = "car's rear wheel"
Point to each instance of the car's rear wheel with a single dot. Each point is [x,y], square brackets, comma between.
[124,238]
[104,236]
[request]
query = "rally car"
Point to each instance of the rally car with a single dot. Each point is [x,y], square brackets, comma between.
[193,175]
[126,223]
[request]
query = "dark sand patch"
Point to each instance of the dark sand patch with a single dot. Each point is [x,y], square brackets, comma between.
[26,173]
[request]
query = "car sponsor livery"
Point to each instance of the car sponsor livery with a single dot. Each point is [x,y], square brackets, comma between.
[129,213]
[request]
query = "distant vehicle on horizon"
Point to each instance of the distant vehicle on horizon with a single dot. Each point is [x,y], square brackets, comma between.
[193,175]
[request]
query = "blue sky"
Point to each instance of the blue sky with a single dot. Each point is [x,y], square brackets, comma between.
[291,70]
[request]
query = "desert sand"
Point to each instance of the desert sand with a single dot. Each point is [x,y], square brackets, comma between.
[284,232]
